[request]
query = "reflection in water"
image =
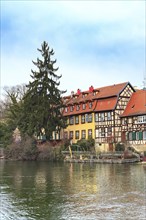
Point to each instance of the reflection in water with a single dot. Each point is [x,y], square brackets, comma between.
[63,191]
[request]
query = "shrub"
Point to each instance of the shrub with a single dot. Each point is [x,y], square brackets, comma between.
[119,147]
[86,144]
[49,152]
[24,150]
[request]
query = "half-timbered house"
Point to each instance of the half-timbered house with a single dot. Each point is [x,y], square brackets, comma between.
[134,121]
[96,113]
[111,102]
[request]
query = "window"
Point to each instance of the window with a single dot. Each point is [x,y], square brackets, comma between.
[89,133]
[83,134]
[109,131]
[129,120]
[130,136]
[124,121]
[86,118]
[77,107]
[137,135]
[96,117]
[102,132]
[77,134]
[101,116]
[90,104]
[82,119]
[77,119]
[109,116]
[71,134]
[89,117]
[65,135]
[84,106]
[66,109]
[71,108]
[71,120]
[144,135]
[141,119]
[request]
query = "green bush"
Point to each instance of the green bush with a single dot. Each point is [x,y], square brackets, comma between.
[119,147]
[86,144]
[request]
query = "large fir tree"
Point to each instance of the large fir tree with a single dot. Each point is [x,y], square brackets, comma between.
[43,100]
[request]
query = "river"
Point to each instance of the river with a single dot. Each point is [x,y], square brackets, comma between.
[64,191]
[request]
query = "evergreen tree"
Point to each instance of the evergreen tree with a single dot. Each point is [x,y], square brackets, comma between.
[43,100]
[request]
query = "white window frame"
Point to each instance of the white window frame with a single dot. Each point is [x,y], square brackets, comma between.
[90,117]
[71,108]
[83,119]
[141,119]
[89,132]
[77,119]
[144,135]
[102,116]
[83,134]
[71,134]
[84,106]
[71,120]
[102,132]
[96,117]
[130,136]
[109,116]
[90,105]
[77,134]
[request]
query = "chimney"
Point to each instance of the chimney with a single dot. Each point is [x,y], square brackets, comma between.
[91,88]
[78,92]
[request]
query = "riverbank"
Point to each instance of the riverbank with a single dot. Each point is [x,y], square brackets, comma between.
[110,161]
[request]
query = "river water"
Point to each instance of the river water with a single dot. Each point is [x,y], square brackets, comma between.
[64,191]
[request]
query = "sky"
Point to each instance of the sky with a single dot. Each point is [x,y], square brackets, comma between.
[97,43]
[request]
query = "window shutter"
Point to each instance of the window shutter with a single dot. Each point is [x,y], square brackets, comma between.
[133,136]
[140,135]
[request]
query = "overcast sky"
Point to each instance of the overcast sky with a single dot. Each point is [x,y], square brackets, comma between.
[96,43]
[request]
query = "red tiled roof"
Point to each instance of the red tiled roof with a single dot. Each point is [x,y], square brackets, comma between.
[106,104]
[109,91]
[103,92]
[108,94]
[81,110]
[136,105]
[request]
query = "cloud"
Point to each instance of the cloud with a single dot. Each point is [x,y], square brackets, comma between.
[95,42]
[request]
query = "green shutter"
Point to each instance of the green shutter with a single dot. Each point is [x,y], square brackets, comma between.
[140,135]
[133,136]
[127,136]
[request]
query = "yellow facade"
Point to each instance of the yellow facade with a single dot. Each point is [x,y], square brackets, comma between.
[80,127]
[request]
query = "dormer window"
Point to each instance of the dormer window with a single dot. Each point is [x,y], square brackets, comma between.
[77,107]
[84,106]
[71,108]
[90,104]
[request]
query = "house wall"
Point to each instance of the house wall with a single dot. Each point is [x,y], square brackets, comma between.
[106,142]
[80,127]
[135,132]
